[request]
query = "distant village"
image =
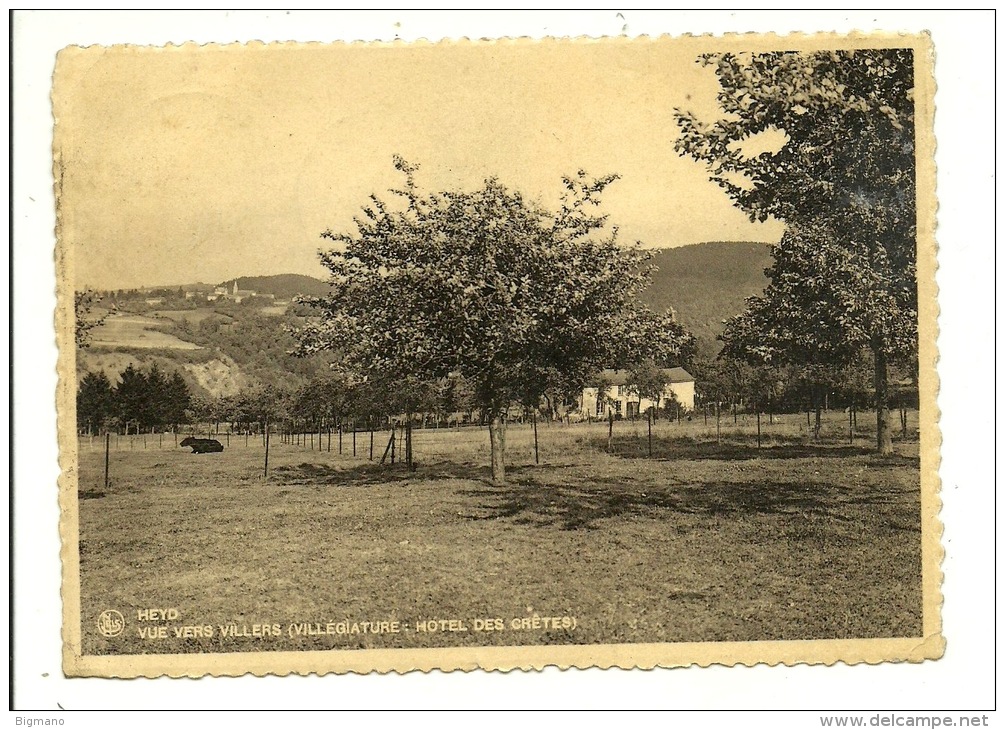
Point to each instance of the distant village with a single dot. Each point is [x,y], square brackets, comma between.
[188,297]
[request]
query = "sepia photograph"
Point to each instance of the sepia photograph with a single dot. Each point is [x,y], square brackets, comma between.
[360,358]
[552,345]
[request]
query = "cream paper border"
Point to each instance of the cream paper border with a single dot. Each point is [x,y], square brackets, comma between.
[930,646]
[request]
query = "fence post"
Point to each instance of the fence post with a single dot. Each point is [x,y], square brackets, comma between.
[758,427]
[537,458]
[389,449]
[851,426]
[718,421]
[108,438]
[266,449]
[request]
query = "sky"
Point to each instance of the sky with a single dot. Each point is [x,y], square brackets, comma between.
[187,164]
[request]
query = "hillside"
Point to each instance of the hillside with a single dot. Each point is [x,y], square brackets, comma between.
[219,355]
[204,371]
[707,283]
[281,286]
[228,347]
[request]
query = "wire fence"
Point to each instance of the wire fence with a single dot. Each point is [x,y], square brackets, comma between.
[527,443]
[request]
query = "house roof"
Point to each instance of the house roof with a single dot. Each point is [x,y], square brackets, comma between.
[674,375]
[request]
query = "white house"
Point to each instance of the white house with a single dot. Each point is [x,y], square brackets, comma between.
[626,403]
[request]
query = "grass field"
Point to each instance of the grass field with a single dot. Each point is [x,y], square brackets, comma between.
[704,542]
[136,331]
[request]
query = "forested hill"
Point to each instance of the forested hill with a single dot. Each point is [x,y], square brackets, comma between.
[281,286]
[707,283]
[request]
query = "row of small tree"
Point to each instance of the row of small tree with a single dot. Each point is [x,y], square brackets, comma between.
[788,388]
[336,399]
[138,401]
[843,282]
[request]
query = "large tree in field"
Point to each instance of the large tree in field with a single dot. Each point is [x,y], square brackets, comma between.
[824,141]
[482,285]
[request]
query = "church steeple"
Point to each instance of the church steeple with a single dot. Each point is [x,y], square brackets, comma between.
[235,287]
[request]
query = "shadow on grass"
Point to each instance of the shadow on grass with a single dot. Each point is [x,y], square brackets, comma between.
[575,507]
[362,475]
[631,447]
[375,474]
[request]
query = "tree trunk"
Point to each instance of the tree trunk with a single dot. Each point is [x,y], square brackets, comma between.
[497,444]
[408,444]
[884,431]
[649,423]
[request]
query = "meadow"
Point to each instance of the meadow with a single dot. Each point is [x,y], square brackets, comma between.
[136,331]
[705,541]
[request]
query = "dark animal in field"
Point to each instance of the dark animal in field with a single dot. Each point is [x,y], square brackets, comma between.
[202,446]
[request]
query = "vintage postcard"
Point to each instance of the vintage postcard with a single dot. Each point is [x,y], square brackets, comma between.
[497,354]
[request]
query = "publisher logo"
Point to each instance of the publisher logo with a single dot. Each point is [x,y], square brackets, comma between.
[111,623]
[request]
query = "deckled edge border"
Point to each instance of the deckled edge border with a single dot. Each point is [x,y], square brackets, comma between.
[534,658]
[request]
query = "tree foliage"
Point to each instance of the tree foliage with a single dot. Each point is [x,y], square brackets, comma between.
[95,402]
[84,320]
[843,180]
[140,400]
[484,285]
[648,380]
